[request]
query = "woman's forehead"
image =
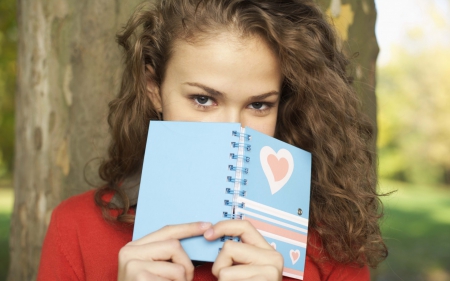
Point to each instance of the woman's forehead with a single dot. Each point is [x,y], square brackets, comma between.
[225,59]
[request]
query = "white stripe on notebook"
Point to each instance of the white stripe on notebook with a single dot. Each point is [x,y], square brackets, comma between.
[281,238]
[272,211]
[293,275]
[246,212]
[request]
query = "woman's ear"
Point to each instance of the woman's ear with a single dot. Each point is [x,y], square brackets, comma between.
[153,89]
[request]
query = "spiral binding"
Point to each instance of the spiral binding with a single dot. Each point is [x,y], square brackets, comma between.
[237,204]
[239,134]
[233,238]
[242,181]
[233,216]
[248,147]
[238,181]
[234,168]
[236,156]
[232,192]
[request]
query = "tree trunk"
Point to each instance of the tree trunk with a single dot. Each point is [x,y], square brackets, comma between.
[355,22]
[69,67]
[68,70]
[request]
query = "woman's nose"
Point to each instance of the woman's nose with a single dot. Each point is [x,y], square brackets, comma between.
[231,115]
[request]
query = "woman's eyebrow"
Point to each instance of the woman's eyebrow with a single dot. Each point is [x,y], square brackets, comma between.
[214,92]
[263,96]
[207,89]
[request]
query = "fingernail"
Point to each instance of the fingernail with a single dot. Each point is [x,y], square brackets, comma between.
[209,233]
[205,225]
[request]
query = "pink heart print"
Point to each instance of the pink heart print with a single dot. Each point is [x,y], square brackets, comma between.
[295,255]
[279,167]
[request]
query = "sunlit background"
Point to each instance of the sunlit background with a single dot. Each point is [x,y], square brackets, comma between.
[413,91]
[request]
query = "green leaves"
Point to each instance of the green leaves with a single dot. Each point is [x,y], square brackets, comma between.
[414,116]
[8,55]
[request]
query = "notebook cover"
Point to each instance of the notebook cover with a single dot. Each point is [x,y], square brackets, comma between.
[185,175]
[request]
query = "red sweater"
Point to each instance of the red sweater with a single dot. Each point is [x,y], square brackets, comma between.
[81,245]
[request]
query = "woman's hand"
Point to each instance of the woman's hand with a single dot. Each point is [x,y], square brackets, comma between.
[254,259]
[159,255]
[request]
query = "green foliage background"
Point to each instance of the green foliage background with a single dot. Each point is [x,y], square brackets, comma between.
[8,54]
[414,118]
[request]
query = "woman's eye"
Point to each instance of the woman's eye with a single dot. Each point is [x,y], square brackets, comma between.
[203,100]
[258,105]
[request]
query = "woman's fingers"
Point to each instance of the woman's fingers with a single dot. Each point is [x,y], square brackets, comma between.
[254,259]
[158,251]
[240,228]
[138,270]
[249,272]
[233,253]
[160,254]
[156,255]
[179,231]
[149,255]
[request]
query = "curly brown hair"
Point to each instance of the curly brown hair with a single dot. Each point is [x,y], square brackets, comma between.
[319,110]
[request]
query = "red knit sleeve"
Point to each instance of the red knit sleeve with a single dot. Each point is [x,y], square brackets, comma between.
[319,267]
[329,271]
[54,263]
[350,273]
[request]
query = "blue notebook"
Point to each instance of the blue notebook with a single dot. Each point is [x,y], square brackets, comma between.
[218,171]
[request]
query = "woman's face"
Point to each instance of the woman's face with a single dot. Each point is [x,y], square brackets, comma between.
[223,79]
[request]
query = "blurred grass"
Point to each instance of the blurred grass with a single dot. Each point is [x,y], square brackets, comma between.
[416,228]
[6,205]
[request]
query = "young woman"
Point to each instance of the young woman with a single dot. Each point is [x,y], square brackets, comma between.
[272,65]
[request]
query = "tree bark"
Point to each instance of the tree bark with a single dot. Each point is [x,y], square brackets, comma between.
[68,70]
[355,23]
